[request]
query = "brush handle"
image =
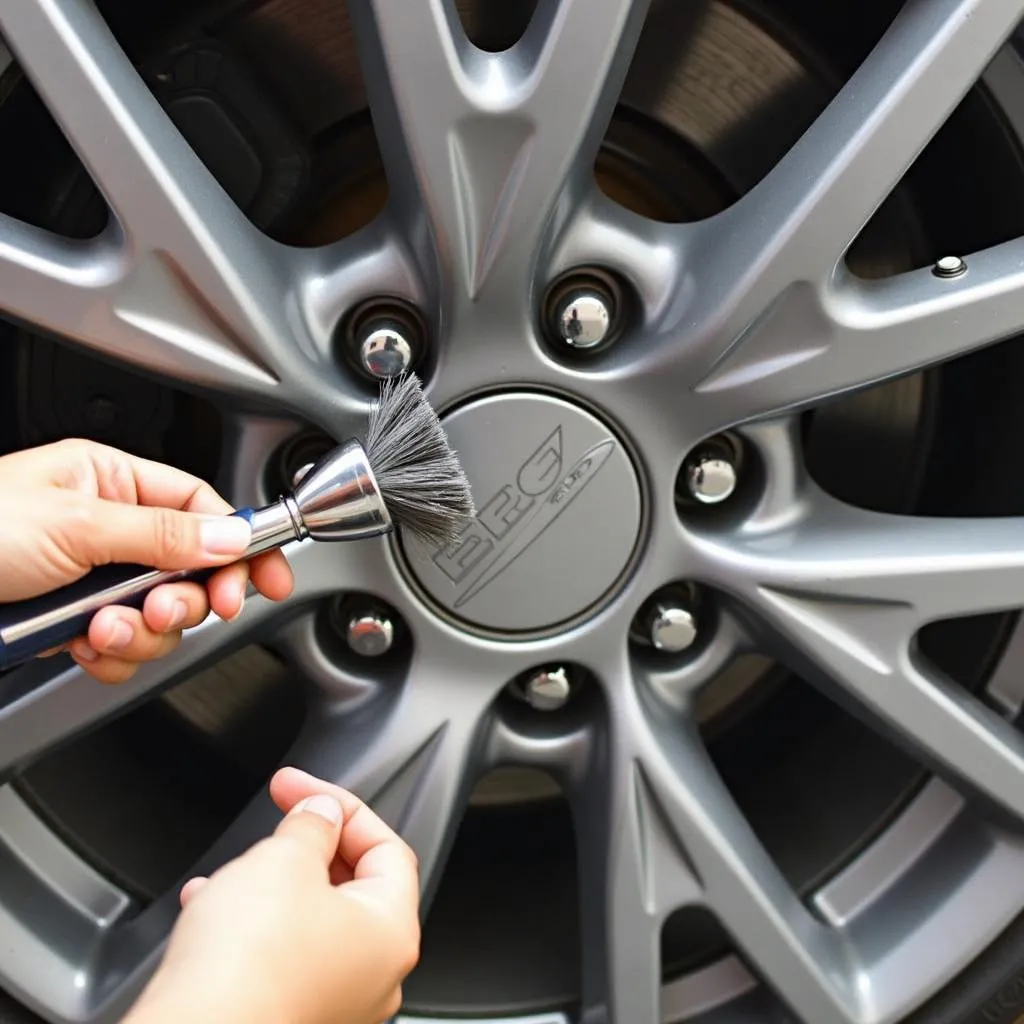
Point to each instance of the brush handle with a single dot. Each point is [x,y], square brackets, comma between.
[28,628]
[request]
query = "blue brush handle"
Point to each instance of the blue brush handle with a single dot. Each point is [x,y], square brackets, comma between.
[66,613]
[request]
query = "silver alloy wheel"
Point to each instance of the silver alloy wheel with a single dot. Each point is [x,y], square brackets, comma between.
[488,157]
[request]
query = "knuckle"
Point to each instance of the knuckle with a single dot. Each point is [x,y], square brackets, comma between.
[75,445]
[119,479]
[169,533]
[72,460]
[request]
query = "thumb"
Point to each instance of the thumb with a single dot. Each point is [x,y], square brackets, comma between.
[316,823]
[163,538]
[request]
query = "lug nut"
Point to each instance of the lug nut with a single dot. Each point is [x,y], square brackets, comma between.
[295,458]
[370,634]
[584,318]
[548,690]
[384,349]
[711,478]
[672,628]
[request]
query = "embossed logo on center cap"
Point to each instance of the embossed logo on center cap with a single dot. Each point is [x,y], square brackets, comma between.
[508,568]
[518,514]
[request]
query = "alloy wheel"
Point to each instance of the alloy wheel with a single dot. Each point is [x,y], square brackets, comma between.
[631,394]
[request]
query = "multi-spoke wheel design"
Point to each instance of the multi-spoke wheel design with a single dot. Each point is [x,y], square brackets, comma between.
[711,710]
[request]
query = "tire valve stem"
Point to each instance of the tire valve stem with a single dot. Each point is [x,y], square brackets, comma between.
[949,266]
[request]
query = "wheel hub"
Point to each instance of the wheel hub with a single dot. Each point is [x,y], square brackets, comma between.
[540,466]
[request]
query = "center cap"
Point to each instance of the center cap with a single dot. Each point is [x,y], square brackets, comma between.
[558,515]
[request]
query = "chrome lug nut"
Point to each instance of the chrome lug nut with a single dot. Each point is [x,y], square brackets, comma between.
[384,350]
[548,690]
[711,478]
[583,318]
[370,634]
[672,628]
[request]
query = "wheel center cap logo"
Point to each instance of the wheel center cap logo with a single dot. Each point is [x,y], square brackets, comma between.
[516,516]
[521,566]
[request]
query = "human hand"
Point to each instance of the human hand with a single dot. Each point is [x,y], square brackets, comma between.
[73,505]
[317,924]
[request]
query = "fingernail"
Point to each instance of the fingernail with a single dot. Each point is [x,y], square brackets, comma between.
[178,612]
[122,635]
[82,650]
[322,805]
[225,535]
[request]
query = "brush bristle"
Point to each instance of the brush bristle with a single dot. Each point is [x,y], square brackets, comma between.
[423,485]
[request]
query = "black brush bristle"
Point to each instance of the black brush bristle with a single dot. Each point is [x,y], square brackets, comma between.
[423,485]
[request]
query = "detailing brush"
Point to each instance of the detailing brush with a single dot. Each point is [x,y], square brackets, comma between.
[405,475]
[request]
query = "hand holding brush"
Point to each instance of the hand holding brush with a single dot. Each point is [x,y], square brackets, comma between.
[91,517]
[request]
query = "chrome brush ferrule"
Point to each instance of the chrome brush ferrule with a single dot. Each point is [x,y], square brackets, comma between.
[338,499]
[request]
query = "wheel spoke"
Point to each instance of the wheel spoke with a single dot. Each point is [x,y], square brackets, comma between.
[491,141]
[845,592]
[811,967]
[657,830]
[416,767]
[771,324]
[87,294]
[920,569]
[44,704]
[413,755]
[807,348]
[181,283]
[818,197]
[631,876]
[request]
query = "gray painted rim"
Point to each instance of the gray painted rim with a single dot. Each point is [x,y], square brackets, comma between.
[841,591]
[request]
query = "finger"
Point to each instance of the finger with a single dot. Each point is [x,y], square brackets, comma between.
[379,855]
[340,872]
[108,531]
[175,606]
[123,633]
[67,463]
[227,590]
[51,651]
[272,576]
[127,478]
[290,785]
[102,667]
[374,851]
[316,823]
[190,888]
